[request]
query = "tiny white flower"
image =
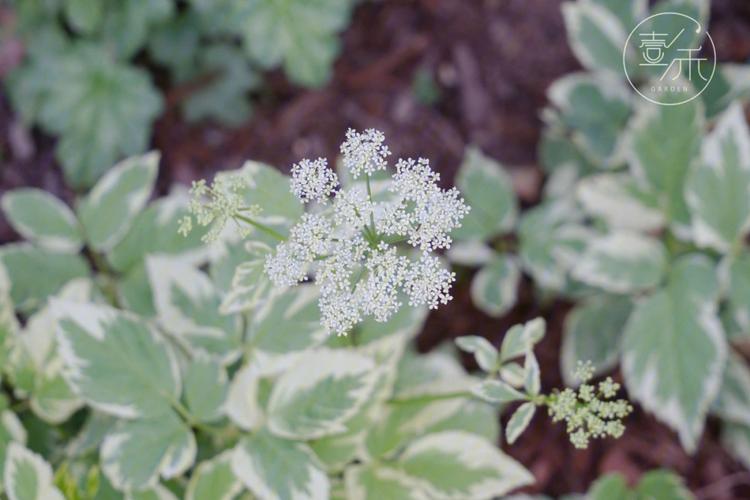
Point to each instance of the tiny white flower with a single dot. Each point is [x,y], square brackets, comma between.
[364,152]
[428,282]
[313,180]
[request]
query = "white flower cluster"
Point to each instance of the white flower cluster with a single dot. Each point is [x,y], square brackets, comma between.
[351,246]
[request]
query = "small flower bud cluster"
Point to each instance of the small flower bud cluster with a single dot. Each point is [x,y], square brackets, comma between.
[350,247]
[215,205]
[588,412]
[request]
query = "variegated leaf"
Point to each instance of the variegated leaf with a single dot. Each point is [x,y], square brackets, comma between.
[214,480]
[27,476]
[615,198]
[43,219]
[733,401]
[518,422]
[206,387]
[375,482]
[738,293]
[11,431]
[497,391]
[484,352]
[521,338]
[242,405]
[495,287]
[250,284]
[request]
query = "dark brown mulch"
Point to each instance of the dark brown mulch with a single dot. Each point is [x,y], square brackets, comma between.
[491,62]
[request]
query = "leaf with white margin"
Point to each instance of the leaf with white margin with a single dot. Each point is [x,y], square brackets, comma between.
[592,332]
[532,379]
[522,338]
[256,459]
[494,289]
[250,284]
[736,440]
[111,206]
[663,142]
[269,189]
[137,452]
[470,253]
[617,199]
[596,108]
[674,348]
[497,391]
[25,264]
[242,405]
[595,34]
[375,482]
[733,401]
[488,190]
[11,431]
[406,322]
[115,361]
[27,476]
[738,295]
[43,219]
[484,352]
[187,303]
[458,465]
[518,422]
[206,388]
[157,492]
[323,390]
[214,480]
[432,374]
[718,187]
[285,327]
[622,262]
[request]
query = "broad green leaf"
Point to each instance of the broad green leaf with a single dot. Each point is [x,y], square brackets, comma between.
[518,422]
[285,327]
[187,304]
[250,284]
[677,373]
[154,231]
[156,492]
[433,374]
[488,190]
[42,219]
[28,476]
[592,332]
[242,404]
[376,482]
[9,326]
[115,361]
[622,262]
[497,391]
[84,16]
[733,401]
[718,187]
[596,108]
[495,287]
[522,338]
[457,464]
[11,431]
[214,480]
[736,439]
[256,459]
[323,390]
[739,291]
[299,34]
[134,292]
[108,211]
[406,322]
[663,142]
[25,264]
[609,487]
[663,484]
[470,253]
[127,24]
[484,352]
[205,389]
[137,452]
[101,109]
[269,189]
[620,202]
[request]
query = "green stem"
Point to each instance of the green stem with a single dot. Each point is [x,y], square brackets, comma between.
[427,398]
[266,229]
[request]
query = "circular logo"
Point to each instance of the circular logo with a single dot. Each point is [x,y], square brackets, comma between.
[669,58]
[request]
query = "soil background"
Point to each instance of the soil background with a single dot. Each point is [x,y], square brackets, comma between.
[435,76]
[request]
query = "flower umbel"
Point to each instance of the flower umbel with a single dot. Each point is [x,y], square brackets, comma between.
[351,246]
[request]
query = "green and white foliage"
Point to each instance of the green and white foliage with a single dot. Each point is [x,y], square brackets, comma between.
[654,484]
[27,476]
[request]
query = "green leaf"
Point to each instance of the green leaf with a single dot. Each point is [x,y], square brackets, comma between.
[25,264]
[622,262]
[532,375]
[187,304]
[28,476]
[242,404]
[42,219]
[522,338]
[375,482]
[733,401]
[609,487]
[323,390]
[457,464]
[214,480]
[488,190]
[663,484]
[108,211]
[484,352]
[596,108]
[11,431]
[494,288]
[256,459]
[736,440]
[136,452]
[592,332]
[101,109]
[134,292]
[84,16]
[717,188]
[154,231]
[205,389]
[663,143]
[497,391]
[300,34]
[115,361]
[739,290]
[518,422]
[250,284]
[156,492]
[676,372]
[127,24]
[269,189]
